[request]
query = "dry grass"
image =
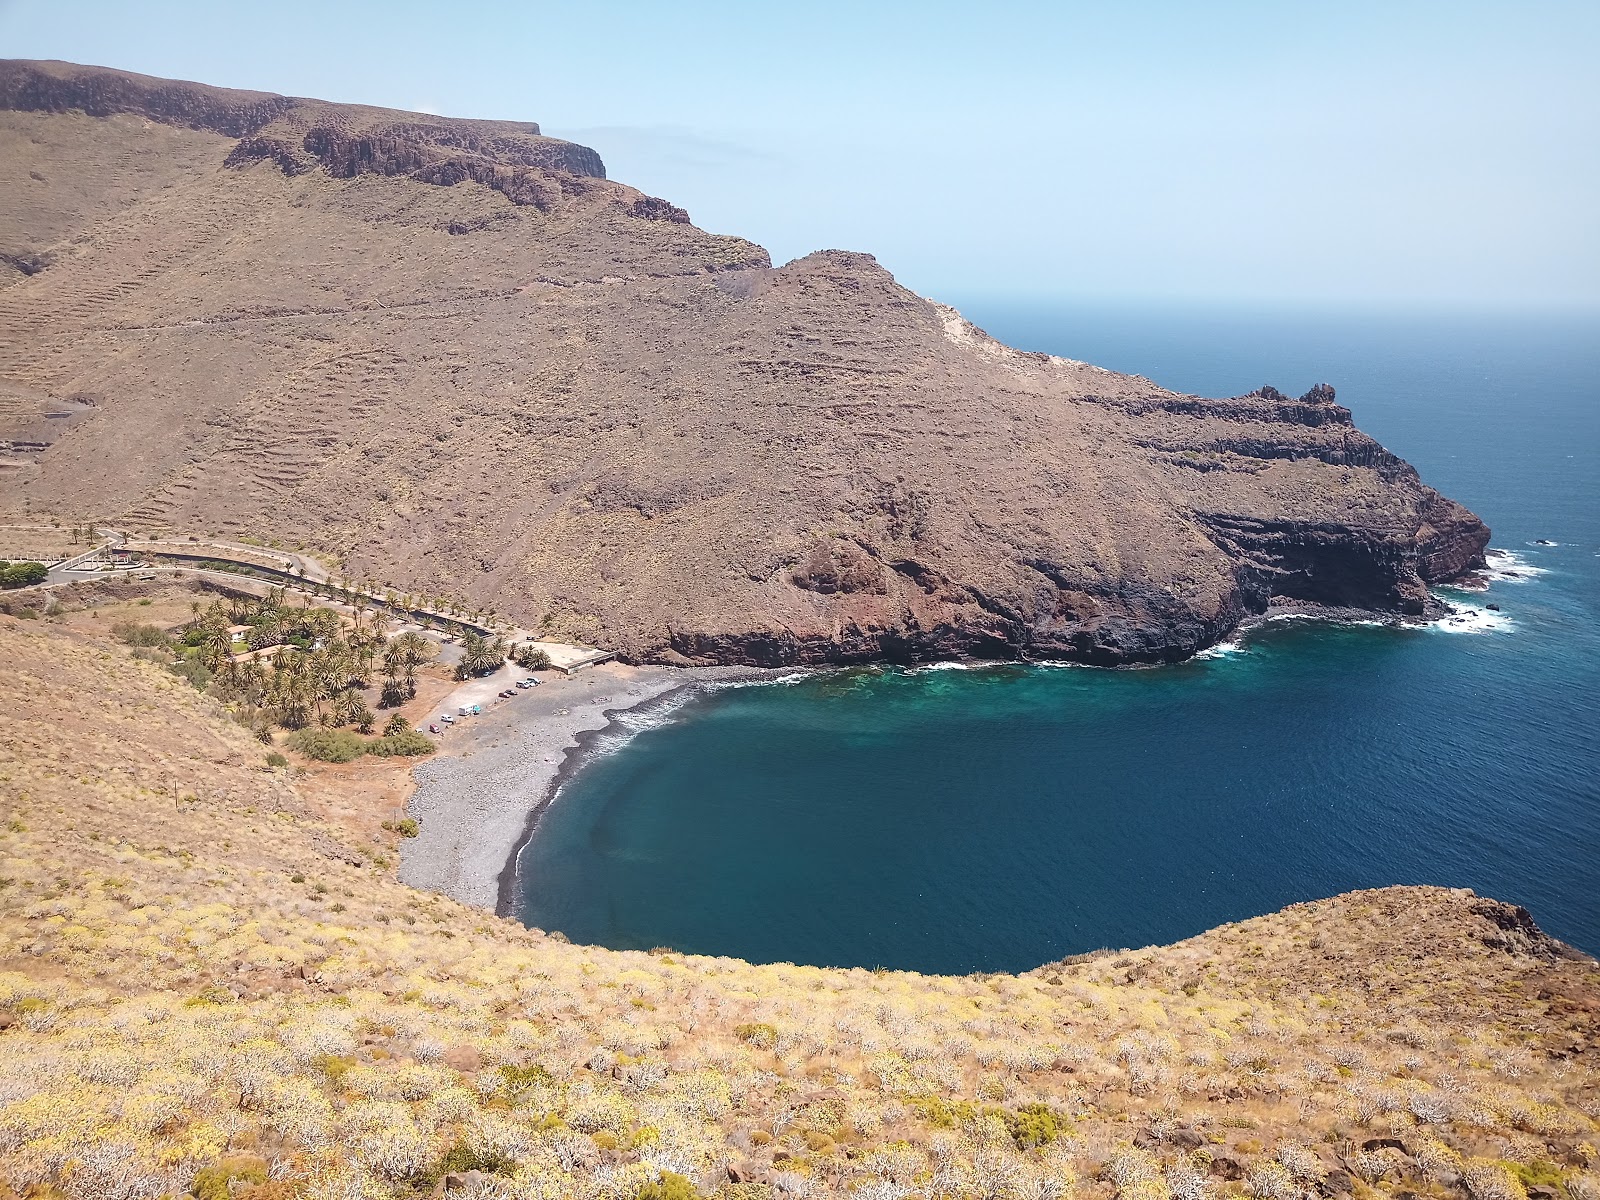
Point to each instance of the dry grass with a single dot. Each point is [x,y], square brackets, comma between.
[201,982]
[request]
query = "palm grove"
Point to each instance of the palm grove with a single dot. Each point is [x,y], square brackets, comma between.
[297,667]
[308,670]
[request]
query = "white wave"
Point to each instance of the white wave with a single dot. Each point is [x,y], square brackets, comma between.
[1473,618]
[631,722]
[1223,650]
[1507,566]
[799,675]
[939,666]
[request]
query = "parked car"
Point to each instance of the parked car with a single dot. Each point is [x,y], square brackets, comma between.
[522,683]
[464,711]
[434,728]
[448,719]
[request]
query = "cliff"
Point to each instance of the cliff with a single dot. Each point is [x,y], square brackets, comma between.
[207,991]
[455,356]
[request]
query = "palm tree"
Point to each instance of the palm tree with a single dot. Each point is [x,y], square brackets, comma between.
[393,695]
[414,648]
[216,649]
[350,708]
[291,700]
[359,662]
[479,655]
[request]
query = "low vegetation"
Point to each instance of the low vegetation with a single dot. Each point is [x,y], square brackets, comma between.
[341,746]
[22,574]
[206,993]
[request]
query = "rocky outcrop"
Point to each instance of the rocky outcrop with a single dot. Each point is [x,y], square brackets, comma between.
[58,87]
[297,133]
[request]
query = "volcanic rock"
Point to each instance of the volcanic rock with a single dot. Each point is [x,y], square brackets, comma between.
[455,357]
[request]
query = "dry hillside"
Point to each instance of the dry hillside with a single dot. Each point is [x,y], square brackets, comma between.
[204,991]
[455,355]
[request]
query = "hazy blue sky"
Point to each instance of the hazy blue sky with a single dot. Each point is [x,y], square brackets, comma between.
[1307,152]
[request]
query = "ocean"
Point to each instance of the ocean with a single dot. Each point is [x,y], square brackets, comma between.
[992,819]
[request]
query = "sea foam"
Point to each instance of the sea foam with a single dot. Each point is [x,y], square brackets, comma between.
[1507,566]
[1472,618]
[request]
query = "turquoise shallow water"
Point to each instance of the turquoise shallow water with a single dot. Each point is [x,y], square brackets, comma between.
[996,818]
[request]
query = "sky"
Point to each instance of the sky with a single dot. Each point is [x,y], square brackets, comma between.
[1393,153]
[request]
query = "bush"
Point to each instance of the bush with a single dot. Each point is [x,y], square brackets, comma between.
[671,1186]
[408,744]
[22,574]
[463,1157]
[1034,1125]
[135,633]
[214,1182]
[277,760]
[758,1034]
[328,745]
[192,669]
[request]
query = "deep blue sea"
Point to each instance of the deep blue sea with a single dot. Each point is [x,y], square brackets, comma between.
[997,818]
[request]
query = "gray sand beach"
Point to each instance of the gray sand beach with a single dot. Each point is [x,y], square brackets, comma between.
[474,800]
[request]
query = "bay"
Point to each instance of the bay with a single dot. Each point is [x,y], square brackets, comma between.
[955,820]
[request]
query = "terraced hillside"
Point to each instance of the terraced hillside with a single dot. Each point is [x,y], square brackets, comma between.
[204,991]
[453,354]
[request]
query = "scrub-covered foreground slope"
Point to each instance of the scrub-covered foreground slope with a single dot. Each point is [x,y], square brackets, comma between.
[455,355]
[203,991]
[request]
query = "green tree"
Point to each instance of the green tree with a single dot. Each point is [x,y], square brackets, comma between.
[22,574]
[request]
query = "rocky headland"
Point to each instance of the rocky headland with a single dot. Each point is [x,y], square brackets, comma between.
[458,358]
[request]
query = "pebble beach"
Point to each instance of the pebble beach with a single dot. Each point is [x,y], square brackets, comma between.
[476,799]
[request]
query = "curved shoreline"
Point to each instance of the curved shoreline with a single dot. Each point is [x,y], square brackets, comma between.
[475,818]
[475,821]
[579,756]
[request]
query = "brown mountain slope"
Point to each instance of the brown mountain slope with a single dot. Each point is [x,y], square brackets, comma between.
[198,980]
[454,355]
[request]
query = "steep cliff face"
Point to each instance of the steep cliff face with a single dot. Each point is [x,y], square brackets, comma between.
[454,355]
[299,134]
